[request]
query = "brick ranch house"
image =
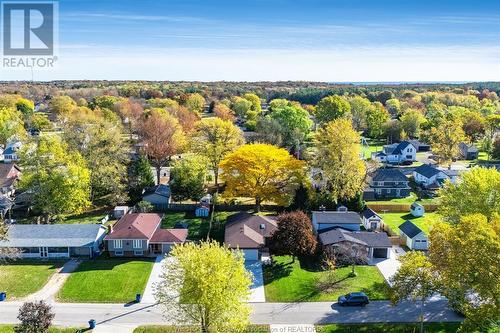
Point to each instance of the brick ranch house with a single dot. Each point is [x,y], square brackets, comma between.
[141,235]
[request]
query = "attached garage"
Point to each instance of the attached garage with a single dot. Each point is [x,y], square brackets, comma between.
[380,252]
[251,254]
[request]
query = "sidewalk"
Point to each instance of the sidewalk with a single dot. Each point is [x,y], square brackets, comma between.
[49,292]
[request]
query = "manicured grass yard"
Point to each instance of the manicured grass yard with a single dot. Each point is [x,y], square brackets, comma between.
[408,200]
[388,328]
[192,329]
[23,277]
[290,282]
[393,220]
[198,227]
[107,281]
[10,329]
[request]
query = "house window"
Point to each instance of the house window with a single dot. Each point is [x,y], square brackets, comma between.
[378,191]
[138,253]
[118,244]
[118,253]
[137,243]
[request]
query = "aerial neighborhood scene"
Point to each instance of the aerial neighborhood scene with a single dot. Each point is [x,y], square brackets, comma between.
[278,166]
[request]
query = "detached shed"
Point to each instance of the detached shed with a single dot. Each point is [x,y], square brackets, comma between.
[417,209]
[414,237]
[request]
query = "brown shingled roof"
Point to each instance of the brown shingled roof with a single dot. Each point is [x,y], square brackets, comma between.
[169,236]
[136,226]
[243,230]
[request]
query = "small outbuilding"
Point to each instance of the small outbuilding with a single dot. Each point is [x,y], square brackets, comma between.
[202,211]
[417,209]
[158,196]
[414,237]
[371,220]
[119,211]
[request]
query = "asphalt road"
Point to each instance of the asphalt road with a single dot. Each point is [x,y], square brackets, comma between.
[68,314]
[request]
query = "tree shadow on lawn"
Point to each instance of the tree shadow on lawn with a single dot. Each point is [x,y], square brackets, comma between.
[378,291]
[276,271]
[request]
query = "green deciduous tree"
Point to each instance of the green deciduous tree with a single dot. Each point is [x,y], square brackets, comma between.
[212,285]
[411,121]
[140,178]
[262,171]
[445,140]
[414,280]
[360,107]
[294,121]
[62,105]
[11,124]
[478,191]
[338,156]
[376,117]
[465,257]
[56,175]
[331,108]
[102,145]
[214,139]
[187,178]
[195,103]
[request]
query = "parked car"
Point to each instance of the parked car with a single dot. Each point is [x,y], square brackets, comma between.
[354,299]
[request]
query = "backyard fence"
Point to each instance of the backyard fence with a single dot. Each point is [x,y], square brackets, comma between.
[180,207]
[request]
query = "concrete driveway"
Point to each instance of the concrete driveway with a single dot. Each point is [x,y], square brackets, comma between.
[388,267]
[154,278]
[257,289]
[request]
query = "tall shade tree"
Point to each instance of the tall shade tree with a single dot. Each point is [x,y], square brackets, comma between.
[445,140]
[478,192]
[223,112]
[11,124]
[57,176]
[255,100]
[212,286]
[331,108]
[140,178]
[376,117]
[62,106]
[465,258]
[101,143]
[360,107]
[474,125]
[269,130]
[414,280]
[294,122]
[411,121]
[214,139]
[195,103]
[163,138]
[338,156]
[294,235]
[262,171]
[187,178]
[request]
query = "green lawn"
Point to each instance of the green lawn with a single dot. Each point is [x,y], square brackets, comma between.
[285,281]
[393,220]
[408,200]
[192,329]
[10,329]
[107,281]
[388,328]
[24,277]
[373,146]
[198,227]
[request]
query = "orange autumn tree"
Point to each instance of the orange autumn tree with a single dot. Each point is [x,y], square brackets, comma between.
[263,172]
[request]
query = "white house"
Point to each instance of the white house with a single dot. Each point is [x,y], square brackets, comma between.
[429,176]
[10,152]
[417,209]
[414,237]
[371,220]
[396,153]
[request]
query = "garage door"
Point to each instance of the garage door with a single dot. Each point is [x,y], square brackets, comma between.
[251,255]
[380,253]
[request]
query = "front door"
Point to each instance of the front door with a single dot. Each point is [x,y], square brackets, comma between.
[44,252]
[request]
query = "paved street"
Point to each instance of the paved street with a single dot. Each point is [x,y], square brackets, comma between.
[263,313]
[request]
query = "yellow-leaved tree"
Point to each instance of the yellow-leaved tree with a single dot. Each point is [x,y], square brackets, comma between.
[338,156]
[206,284]
[262,171]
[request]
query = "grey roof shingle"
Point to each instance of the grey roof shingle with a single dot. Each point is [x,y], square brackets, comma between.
[336,217]
[370,239]
[389,175]
[368,212]
[427,170]
[51,235]
[410,229]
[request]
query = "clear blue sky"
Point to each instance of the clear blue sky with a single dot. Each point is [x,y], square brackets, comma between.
[328,40]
